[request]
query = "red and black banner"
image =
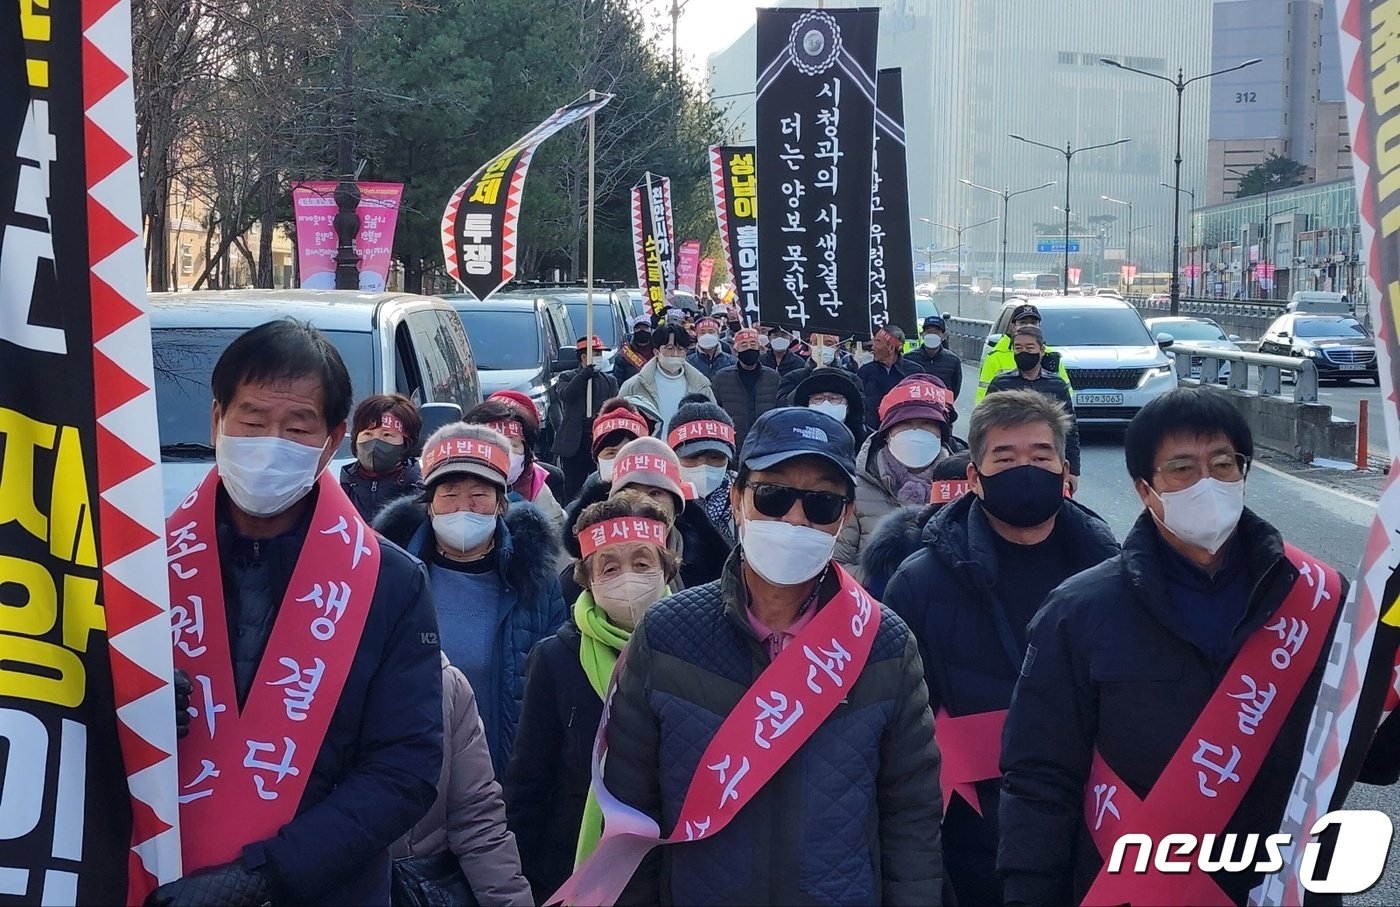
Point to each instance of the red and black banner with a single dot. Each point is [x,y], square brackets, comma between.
[479,243]
[733,177]
[891,244]
[87,713]
[653,240]
[816,135]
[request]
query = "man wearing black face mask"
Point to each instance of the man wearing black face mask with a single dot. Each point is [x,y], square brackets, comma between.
[636,352]
[1028,348]
[990,559]
[746,390]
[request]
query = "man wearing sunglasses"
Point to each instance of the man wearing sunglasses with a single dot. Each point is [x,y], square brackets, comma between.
[1172,688]
[775,723]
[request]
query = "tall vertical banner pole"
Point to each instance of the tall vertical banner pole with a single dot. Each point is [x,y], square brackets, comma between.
[588,343]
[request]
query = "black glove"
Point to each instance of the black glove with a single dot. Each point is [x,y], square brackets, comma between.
[229,885]
[589,369]
[183,689]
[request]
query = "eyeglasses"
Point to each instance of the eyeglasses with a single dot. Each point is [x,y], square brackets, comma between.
[776,500]
[1183,472]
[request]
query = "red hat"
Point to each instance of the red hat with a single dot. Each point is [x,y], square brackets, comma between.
[520,404]
[916,397]
[597,344]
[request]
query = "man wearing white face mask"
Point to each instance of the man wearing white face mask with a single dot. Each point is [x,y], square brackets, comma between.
[834,391]
[702,436]
[711,352]
[275,567]
[664,380]
[492,569]
[1182,674]
[840,758]
[782,355]
[934,357]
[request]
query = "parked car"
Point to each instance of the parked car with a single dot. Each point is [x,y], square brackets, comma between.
[1109,292]
[1317,301]
[523,340]
[391,343]
[610,320]
[1196,331]
[1339,346]
[1115,365]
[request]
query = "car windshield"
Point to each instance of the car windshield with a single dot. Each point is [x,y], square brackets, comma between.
[184,360]
[1093,326]
[1189,330]
[1328,327]
[502,338]
[604,322]
[924,307]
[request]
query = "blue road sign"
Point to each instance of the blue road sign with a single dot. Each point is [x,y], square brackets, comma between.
[1055,245]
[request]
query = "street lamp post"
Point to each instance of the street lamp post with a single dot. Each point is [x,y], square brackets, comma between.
[1109,198]
[1192,194]
[1006,196]
[347,189]
[1069,152]
[1179,83]
[959,230]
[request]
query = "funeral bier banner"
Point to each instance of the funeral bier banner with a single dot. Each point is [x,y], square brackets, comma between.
[733,178]
[891,246]
[87,711]
[313,204]
[478,227]
[1360,676]
[688,266]
[816,135]
[653,240]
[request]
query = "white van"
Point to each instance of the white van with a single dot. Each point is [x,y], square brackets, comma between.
[1319,301]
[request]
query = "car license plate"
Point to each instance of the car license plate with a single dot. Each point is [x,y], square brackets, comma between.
[1350,366]
[1098,399]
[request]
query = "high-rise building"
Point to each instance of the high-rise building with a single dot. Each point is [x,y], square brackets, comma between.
[1290,103]
[977,70]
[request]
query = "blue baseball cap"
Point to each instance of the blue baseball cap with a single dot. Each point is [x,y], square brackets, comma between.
[934,321]
[796,431]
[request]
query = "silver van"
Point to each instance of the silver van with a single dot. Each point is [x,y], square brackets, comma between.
[1115,365]
[390,342]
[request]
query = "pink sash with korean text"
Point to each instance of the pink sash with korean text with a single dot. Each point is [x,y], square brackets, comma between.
[1209,774]
[791,698]
[242,774]
[970,747]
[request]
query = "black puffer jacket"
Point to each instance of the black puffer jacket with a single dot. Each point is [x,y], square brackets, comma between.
[942,363]
[946,594]
[731,394]
[1114,672]
[852,818]
[371,494]
[549,774]
[899,537]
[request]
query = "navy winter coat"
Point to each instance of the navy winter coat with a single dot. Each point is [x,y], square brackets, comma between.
[852,818]
[371,494]
[946,593]
[1113,670]
[875,381]
[531,605]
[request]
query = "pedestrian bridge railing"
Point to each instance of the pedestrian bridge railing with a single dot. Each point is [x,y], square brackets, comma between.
[1267,369]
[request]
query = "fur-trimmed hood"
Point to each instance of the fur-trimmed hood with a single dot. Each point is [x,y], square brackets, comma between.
[594,490]
[899,535]
[525,541]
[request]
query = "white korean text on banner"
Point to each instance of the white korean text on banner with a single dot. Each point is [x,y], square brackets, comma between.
[1360,677]
[891,244]
[733,178]
[478,227]
[88,781]
[688,266]
[653,242]
[816,135]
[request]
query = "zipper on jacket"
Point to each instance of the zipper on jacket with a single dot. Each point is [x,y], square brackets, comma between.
[573,710]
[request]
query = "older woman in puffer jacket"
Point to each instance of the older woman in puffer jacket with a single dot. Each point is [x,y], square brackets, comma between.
[469,816]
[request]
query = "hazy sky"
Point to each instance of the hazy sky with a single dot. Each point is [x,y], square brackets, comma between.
[707,26]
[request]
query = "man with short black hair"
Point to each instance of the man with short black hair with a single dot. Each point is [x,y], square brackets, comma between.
[747,389]
[934,357]
[1028,350]
[889,367]
[1172,686]
[313,643]
[1000,358]
[989,561]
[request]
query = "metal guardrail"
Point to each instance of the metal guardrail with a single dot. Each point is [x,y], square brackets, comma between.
[967,337]
[1270,369]
[1246,319]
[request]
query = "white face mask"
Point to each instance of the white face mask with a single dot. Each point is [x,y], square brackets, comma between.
[825,354]
[671,365]
[836,411]
[915,447]
[706,479]
[708,341]
[463,530]
[933,341]
[784,554]
[780,344]
[264,476]
[626,597]
[1204,515]
[517,466]
[605,468]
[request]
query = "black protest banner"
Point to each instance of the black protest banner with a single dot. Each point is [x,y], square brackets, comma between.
[891,244]
[733,178]
[653,243]
[816,134]
[478,227]
[87,713]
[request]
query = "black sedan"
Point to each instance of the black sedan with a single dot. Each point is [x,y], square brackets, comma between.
[1340,347]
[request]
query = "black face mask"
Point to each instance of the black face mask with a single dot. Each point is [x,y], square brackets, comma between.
[749,357]
[641,338]
[1023,496]
[734,327]
[1027,361]
[379,455]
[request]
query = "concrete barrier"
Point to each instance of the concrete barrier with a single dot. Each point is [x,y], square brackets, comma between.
[1302,430]
[967,337]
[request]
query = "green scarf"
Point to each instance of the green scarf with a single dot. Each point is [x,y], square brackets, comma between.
[601,641]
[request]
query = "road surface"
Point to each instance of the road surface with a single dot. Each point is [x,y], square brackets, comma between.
[1328,523]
